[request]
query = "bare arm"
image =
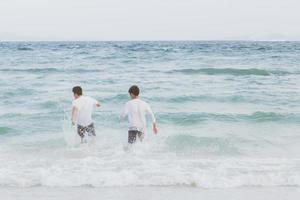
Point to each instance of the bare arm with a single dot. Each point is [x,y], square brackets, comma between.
[95,102]
[74,115]
[124,113]
[154,127]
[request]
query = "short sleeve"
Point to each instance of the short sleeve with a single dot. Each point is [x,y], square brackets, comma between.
[74,104]
[150,112]
[124,112]
[93,101]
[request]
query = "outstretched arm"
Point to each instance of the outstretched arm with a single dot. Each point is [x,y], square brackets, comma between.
[96,103]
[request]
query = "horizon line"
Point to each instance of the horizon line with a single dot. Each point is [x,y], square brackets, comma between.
[212,40]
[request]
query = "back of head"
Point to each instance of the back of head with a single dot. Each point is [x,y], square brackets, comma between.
[134,90]
[77,90]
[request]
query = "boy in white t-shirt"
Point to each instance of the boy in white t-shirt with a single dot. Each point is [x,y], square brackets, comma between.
[82,113]
[136,110]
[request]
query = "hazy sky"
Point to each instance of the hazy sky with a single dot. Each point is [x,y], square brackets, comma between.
[149,19]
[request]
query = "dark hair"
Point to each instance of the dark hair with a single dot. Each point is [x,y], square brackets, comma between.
[77,90]
[134,90]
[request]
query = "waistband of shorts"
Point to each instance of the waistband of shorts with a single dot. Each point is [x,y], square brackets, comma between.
[91,124]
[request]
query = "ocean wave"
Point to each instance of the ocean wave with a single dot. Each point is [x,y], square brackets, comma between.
[22,91]
[32,70]
[49,104]
[204,98]
[206,71]
[194,118]
[115,98]
[50,70]
[191,144]
[181,99]
[133,171]
[229,71]
[5,130]
[271,116]
[191,119]
[25,49]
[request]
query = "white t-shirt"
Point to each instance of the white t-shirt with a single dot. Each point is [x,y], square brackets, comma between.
[84,105]
[136,111]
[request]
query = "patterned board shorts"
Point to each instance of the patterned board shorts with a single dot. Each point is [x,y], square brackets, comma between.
[132,136]
[86,130]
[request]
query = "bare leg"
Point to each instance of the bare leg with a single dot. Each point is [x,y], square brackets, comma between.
[141,136]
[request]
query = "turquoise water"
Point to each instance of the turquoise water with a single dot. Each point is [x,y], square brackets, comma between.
[228,113]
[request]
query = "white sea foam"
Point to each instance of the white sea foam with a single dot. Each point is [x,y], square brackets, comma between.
[148,164]
[131,171]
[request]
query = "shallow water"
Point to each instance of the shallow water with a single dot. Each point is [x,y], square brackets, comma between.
[228,113]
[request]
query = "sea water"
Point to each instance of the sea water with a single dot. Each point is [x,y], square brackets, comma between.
[228,113]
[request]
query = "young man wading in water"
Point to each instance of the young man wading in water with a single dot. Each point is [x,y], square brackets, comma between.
[136,111]
[82,114]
